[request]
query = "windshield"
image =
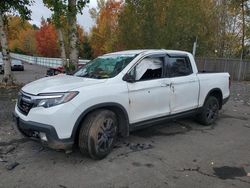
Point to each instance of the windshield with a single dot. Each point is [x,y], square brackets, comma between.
[107,66]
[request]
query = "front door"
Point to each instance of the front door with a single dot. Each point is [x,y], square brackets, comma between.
[149,95]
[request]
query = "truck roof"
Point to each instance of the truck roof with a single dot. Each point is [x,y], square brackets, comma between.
[135,52]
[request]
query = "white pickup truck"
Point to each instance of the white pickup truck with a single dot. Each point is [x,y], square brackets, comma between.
[117,93]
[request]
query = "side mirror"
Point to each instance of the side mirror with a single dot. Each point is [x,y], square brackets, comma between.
[128,78]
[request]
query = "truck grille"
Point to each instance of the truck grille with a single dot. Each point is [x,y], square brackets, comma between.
[24,103]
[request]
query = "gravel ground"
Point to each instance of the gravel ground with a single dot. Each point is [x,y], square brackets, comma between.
[181,153]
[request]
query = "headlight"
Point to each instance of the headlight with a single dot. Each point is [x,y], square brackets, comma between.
[47,100]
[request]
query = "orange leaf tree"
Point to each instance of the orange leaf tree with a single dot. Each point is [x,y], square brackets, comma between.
[21,36]
[104,33]
[46,40]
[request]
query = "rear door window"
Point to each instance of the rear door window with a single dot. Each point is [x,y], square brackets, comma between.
[179,66]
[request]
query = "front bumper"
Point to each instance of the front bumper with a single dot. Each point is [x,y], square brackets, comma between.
[34,130]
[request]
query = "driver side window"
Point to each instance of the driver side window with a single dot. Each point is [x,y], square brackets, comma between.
[148,69]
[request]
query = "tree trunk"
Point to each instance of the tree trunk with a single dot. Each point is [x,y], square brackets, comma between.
[8,77]
[223,27]
[62,47]
[73,39]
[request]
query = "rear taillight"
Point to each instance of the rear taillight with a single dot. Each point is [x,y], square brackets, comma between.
[229,82]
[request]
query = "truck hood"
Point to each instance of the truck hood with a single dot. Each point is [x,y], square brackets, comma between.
[59,83]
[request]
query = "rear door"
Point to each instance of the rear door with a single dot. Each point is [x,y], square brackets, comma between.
[150,93]
[184,84]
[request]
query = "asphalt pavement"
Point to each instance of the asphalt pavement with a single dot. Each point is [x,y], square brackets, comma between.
[180,153]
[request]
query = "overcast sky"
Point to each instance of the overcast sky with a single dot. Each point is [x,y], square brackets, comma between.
[39,10]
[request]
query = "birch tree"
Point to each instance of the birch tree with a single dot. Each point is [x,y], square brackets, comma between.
[74,7]
[59,8]
[19,7]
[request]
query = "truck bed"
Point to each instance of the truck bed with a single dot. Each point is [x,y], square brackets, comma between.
[207,72]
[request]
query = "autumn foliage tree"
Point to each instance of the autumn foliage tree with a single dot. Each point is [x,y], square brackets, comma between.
[46,40]
[104,34]
[58,9]
[16,25]
[167,24]
[25,43]
[221,27]
[21,36]
[67,9]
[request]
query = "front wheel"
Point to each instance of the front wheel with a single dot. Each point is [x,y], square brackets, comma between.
[98,133]
[210,111]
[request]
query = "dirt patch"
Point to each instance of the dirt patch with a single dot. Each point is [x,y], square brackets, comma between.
[234,117]
[15,141]
[137,164]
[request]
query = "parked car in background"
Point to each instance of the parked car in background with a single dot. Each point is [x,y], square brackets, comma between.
[52,71]
[17,65]
[117,93]
[82,63]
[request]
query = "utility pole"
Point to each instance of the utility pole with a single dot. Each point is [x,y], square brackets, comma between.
[195,46]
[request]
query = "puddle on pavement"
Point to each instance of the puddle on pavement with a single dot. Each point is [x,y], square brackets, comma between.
[227,172]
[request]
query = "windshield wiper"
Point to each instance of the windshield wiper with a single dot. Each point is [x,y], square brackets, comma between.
[88,76]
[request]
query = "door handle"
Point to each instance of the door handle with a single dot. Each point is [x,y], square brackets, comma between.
[191,80]
[165,85]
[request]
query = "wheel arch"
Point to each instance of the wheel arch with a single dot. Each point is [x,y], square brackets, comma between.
[118,109]
[216,92]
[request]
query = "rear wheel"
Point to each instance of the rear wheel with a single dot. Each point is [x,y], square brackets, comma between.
[98,133]
[210,111]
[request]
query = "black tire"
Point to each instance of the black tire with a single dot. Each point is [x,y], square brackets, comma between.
[210,111]
[98,134]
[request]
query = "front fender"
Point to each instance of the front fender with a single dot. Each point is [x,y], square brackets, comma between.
[116,107]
